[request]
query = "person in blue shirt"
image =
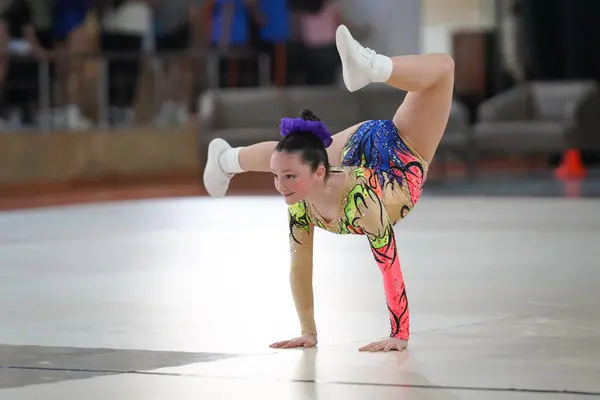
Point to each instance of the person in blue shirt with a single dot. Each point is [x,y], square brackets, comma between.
[229,32]
[68,16]
[272,18]
[229,27]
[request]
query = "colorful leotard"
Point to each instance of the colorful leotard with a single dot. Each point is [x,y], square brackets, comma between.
[384,180]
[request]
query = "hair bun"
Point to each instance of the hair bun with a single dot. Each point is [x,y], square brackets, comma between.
[308,115]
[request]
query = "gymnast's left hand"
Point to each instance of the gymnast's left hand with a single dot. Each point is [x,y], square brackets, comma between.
[386,345]
[307,340]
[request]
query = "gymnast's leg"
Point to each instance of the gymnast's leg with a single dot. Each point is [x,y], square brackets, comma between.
[428,78]
[225,161]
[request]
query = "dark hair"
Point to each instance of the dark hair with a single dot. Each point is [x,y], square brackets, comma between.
[305,143]
[310,6]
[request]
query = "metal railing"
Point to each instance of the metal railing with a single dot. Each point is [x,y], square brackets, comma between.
[206,73]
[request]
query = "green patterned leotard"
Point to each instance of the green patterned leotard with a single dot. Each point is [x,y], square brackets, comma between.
[383,181]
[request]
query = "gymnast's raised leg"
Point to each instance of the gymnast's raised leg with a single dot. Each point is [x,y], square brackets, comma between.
[421,118]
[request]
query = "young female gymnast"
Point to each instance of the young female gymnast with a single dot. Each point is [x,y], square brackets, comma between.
[362,180]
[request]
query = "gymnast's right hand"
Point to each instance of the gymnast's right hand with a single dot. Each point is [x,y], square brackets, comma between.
[307,340]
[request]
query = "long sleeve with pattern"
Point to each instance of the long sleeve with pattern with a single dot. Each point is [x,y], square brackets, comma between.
[383,247]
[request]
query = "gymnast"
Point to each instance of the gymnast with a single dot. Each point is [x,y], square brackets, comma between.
[362,180]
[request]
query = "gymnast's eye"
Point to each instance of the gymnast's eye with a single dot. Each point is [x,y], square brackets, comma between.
[290,176]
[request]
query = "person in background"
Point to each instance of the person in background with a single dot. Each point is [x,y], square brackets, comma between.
[123,26]
[295,47]
[200,43]
[272,21]
[29,23]
[178,28]
[230,34]
[319,21]
[69,33]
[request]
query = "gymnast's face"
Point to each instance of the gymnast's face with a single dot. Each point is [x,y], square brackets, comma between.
[293,177]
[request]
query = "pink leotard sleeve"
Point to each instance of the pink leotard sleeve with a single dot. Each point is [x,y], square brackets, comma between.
[384,250]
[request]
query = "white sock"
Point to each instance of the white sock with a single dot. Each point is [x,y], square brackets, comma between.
[230,161]
[382,70]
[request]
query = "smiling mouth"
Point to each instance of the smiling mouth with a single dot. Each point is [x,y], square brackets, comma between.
[288,195]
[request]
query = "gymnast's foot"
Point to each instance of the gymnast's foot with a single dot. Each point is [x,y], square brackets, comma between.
[360,65]
[216,174]
[386,345]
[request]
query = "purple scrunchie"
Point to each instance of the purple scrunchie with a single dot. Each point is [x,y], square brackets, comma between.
[317,128]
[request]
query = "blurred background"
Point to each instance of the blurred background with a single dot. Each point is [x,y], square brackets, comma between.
[102,98]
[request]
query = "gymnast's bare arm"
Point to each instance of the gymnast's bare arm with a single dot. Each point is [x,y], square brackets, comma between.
[301,273]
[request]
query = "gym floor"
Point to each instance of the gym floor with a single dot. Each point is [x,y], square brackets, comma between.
[180,296]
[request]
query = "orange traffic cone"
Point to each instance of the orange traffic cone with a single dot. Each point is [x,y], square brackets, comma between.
[571,166]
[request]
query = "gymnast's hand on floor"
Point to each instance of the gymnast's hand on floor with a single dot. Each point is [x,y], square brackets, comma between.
[386,345]
[301,341]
